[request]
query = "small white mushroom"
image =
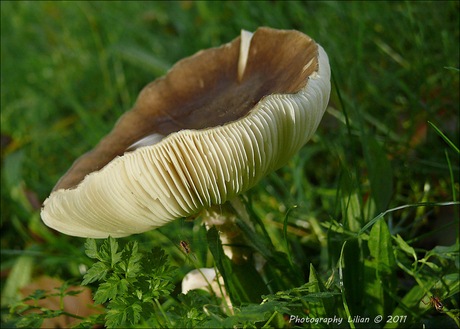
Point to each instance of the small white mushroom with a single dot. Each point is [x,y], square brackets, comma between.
[206,280]
[229,117]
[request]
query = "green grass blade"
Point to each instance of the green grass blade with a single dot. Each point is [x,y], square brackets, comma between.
[380,173]
[419,204]
[452,182]
[342,286]
[285,225]
[447,140]
[452,68]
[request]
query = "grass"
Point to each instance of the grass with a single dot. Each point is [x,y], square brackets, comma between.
[364,215]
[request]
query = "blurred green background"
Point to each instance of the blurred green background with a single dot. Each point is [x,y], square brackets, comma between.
[69,70]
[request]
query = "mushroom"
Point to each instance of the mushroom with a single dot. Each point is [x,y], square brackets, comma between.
[205,279]
[209,130]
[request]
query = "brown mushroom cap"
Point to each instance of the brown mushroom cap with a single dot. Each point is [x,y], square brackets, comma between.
[231,115]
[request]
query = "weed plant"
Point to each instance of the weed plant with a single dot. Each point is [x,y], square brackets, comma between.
[361,225]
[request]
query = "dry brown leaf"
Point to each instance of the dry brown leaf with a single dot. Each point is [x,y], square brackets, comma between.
[81,304]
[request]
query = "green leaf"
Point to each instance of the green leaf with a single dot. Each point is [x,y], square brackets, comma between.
[108,252]
[31,320]
[135,280]
[191,314]
[64,287]
[114,255]
[156,264]
[157,275]
[446,251]
[36,295]
[97,272]
[411,298]
[91,248]
[73,292]
[405,247]
[130,260]
[115,316]
[452,277]
[381,248]
[157,288]
[133,313]
[432,265]
[122,310]
[117,313]
[106,290]
[373,288]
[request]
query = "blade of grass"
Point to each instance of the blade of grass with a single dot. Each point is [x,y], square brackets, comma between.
[325,307]
[420,204]
[348,125]
[452,68]
[433,231]
[285,225]
[342,287]
[223,264]
[380,173]
[452,181]
[447,140]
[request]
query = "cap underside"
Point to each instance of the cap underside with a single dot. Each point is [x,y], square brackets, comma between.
[199,166]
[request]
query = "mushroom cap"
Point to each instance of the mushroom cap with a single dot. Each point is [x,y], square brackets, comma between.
[212,128]
[196,279]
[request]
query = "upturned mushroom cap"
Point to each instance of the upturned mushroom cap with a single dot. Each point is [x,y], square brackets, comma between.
[210,129]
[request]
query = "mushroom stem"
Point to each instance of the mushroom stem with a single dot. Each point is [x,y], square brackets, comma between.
[223,217]
[146,141]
